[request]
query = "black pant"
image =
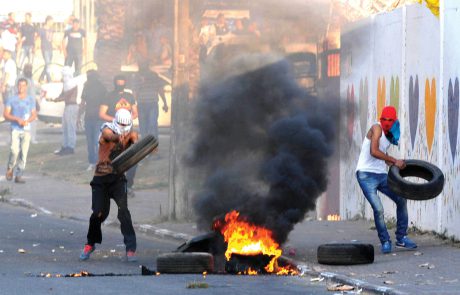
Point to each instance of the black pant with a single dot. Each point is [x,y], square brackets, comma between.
[73,57]
[104,188]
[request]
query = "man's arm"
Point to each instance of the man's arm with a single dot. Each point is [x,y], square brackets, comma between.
[103,113]
[109,136]
[64,44]
[376,133]
[8,116]
[161,93]
[134,111]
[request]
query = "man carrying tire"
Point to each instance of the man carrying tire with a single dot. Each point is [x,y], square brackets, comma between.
[106,184]
[371,173]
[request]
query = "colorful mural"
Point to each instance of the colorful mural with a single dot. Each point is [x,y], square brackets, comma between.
[394,92]
[363,105]
[430,111]
[413,107]
[452,114]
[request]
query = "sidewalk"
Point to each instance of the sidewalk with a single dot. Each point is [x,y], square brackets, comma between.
[396,273]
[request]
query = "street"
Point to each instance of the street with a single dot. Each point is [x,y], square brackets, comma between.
[52,245]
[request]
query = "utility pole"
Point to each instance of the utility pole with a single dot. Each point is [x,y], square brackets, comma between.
[178,193]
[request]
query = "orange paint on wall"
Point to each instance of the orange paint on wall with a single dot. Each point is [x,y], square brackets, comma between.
[430,111]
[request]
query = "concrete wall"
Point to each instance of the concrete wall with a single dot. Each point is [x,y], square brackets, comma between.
[409,59]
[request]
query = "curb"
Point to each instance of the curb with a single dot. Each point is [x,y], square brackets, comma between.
[362,286]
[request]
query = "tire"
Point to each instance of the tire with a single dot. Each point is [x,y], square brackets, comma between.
[197,262]
[416,191]
[134,154]
[345,254]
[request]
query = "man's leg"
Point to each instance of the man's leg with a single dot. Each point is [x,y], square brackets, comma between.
[24,150]
[72,126]
[100,207]
[77,60]
[369,183]
[154,119]
[143,119]
[119,192]
[402,216]
[14,151]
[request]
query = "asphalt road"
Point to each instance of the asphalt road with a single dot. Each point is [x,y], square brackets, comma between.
[52,245]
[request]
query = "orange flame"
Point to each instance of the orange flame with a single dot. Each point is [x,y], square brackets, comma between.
[244,238]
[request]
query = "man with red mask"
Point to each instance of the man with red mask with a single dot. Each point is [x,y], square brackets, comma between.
[371,173]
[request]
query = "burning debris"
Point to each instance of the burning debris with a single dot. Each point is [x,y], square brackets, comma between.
[262,145]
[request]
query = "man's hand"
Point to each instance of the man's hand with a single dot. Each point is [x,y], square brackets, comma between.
[165,108]
[401,164]
[22,122]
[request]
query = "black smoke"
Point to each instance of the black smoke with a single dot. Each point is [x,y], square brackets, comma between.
[262,144]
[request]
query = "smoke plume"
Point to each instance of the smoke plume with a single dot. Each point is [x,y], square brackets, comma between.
[262,144]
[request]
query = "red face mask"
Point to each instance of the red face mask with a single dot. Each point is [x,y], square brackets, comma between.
[388,118]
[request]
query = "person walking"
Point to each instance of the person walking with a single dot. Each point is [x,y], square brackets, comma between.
[32,92]
[9,76]
[116,137]
[28,35]
[20,111]
[371,173]
[46,39]
[92,97]
[74,46]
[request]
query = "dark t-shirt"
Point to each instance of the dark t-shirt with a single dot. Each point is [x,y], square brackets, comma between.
[28,32]
[94,94]
[75,40]
[46,37]
[148,87]
[116,101]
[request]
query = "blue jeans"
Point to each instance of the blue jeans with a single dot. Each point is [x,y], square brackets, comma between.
[370,183]
[26,52]
[48,57]
[148,118]
[92,130]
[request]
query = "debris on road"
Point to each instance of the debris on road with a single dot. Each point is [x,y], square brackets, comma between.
[427,265]
[33,215]
[35,245]
[22,251]
[340,287]
[318,279]
[388,282]
[418,253]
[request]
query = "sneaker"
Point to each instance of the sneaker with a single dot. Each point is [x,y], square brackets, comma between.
[386,247]
[131,193]
[131,256]
[59,151]
[87,252]
[19,179]
[9,174]
[405,243]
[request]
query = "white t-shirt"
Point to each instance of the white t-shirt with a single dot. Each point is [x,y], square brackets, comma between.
[367,162]
[9,68]
[9,41]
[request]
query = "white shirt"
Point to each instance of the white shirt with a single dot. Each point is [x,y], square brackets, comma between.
[369,163]
[9,41]
[9,68]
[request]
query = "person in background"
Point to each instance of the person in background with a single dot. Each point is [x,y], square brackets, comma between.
[27,37]
[221,25]
[9,35]
[69,118]
[32,92]
[20,111]
[371,173]
[74,46]
[150,86]
[9,75]
[93,95]
[46,37]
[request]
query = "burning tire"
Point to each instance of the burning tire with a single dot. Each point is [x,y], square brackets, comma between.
[345,254]
[134,154]
[412,190]
[197,262]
